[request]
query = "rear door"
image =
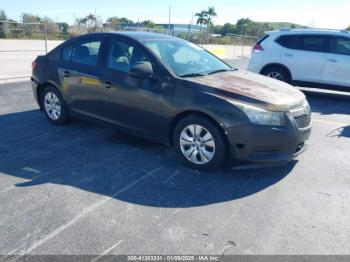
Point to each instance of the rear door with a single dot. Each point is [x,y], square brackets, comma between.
[80,74]
[304,55]
[337,67]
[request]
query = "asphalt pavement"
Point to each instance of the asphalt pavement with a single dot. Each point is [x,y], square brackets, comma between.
[86,189]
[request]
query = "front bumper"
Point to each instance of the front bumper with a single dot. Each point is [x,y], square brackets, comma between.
[268,144]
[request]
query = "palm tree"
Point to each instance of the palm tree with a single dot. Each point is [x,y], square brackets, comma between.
[202,19]
[210,14]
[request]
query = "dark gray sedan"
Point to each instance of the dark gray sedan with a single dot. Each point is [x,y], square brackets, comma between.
[173,92]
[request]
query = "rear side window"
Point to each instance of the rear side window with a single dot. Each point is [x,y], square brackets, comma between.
[290,41]
[86,52]
[67,53]
[313,43]
[55,55]
[340,46]
[262,39]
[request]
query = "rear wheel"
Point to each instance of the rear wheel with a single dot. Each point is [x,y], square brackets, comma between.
[277,73]
[199,143]
[54,106]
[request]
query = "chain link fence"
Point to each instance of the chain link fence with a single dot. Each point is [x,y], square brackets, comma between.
[21,43]
[226,47]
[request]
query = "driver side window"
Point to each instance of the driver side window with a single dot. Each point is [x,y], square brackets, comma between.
[123,56]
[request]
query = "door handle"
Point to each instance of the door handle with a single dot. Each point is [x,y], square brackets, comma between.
[332,60]
[67,74]
[108,84]
[288,55]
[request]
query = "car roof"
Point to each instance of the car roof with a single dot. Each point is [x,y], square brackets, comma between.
[139,36]
[309,31]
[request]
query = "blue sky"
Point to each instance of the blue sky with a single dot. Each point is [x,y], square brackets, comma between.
[317,13]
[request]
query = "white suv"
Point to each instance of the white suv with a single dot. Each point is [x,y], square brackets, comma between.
[304,57]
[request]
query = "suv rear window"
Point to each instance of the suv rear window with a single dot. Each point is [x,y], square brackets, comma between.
[313,43]
[289,41]
[262,39]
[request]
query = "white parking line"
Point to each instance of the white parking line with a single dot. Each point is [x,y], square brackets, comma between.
[89,210]
[107,251]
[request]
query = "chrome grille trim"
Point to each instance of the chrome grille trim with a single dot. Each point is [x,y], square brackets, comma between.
[302,114]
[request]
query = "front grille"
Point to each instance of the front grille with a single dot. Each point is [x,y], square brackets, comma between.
[303,121]
[302,114]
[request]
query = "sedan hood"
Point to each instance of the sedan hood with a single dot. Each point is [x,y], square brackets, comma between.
[274,95]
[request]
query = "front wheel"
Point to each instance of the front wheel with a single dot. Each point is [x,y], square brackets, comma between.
[54,106]
[199,143]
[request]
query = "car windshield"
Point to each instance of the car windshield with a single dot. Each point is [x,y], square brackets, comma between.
[186,59]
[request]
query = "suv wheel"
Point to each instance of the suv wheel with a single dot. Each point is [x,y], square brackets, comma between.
[277,73]
[199,143]
[54,106]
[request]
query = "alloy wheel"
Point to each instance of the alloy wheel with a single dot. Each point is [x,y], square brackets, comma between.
[276,75]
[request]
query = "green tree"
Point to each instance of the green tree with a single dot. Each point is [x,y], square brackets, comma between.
[31,24]
[3,16]
[115,22]
[243,25]
[125,21]
[91,22]
[64,28]
[228,29]
[202,19]
[112,23]
[3,28]
[52,28]
[210,14]
[150,24]
[348,28]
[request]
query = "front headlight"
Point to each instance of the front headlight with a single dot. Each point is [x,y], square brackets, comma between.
[261,116]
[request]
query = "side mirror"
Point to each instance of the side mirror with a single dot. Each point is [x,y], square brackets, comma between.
[141,70]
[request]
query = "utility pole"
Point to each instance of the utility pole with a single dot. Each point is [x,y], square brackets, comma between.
[192,19]
[170,20]
[45,36]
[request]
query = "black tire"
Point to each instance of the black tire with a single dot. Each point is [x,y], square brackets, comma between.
[278,71]
[63,117]
[221,153]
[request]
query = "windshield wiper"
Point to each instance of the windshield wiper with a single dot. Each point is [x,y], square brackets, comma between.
[219,71]
[192,75]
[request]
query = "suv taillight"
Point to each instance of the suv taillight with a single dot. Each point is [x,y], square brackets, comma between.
[33,65]
[258,48]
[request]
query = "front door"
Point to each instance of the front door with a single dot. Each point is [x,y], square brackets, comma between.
[126,100]
[337,67]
